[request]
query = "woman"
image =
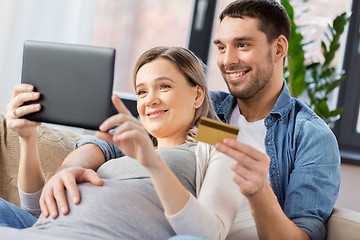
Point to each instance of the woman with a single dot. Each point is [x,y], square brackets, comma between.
[176,187]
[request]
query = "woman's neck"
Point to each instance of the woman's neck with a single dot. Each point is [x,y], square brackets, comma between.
[172,142]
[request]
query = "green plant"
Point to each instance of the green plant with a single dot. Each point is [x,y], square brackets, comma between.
[317,78]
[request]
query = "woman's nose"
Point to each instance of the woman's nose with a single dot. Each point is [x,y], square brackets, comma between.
[152,98]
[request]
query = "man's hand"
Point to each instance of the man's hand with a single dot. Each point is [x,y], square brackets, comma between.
[251,169]
[53,195]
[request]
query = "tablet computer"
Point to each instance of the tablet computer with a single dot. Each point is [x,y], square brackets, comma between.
[75,82]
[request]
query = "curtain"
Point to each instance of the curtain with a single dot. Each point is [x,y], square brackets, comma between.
[67,21]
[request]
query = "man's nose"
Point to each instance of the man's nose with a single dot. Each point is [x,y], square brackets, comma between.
[230,57]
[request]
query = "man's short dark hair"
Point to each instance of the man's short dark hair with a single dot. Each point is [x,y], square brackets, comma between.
[273,18]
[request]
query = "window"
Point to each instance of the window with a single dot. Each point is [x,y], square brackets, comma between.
[347,129]
[358,122]
[134,26]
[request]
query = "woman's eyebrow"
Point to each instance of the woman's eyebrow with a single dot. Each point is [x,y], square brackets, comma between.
[157,80]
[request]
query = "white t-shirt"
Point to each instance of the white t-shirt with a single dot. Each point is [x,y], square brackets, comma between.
[253,134]
[250,133]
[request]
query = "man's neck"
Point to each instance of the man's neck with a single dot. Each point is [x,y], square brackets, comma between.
[259,106]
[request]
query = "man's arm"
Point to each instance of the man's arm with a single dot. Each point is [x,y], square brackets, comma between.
[251,173]
[78,166]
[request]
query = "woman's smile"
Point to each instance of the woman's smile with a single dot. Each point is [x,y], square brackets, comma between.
[155,113]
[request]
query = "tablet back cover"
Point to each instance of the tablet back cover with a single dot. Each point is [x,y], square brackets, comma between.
[75,82]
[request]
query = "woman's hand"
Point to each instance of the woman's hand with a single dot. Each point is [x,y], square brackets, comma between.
[15,110]
[130,135]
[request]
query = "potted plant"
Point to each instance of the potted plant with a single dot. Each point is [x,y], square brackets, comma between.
[317,79]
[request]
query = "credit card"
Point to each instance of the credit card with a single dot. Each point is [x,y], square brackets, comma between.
[212,131]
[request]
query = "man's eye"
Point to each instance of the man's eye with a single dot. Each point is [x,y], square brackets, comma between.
[221,48]
[241,45]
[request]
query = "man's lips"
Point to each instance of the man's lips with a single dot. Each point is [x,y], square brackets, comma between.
[156,113]
[235,76]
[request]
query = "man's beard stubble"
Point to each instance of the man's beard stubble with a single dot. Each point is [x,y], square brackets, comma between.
[255,85]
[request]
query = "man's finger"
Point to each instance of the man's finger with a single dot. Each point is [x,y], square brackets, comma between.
[61,200]
[43,207]
[51,204]
[93,177]
[233,147]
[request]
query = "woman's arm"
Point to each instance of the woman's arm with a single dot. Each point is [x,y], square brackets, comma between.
[212,214]
[133,140]
[209,216]
[30,175]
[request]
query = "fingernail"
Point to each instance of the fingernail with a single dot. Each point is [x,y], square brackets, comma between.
[74,200]
[37,106]
[52,213]
[29,88]
[101,128]
[36,94]
[63,209]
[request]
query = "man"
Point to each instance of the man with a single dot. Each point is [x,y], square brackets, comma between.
[289,170]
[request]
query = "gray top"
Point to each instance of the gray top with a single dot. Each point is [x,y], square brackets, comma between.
[125,207]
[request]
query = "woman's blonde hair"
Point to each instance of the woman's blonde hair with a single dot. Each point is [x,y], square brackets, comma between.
[193,69]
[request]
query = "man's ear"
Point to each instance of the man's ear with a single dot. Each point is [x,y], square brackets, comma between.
[281,46]
[200,95]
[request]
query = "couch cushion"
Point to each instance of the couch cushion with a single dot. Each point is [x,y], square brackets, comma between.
[54,146]
[343,224]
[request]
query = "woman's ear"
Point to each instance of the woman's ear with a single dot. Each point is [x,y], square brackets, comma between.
[200,95]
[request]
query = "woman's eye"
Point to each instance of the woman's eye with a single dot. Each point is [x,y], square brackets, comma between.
[164,86]
[140,92]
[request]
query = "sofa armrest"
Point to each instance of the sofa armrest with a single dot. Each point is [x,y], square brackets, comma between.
[343,224]
[54,145]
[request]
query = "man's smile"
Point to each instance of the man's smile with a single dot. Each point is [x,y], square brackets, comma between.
[236,76]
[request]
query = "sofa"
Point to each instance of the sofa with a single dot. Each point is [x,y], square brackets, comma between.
[55,145]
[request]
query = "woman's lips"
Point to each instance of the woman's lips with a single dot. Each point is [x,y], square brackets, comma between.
[155,114]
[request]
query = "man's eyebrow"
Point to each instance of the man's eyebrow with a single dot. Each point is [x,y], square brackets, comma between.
[238,39]
[245,38]
[216,41]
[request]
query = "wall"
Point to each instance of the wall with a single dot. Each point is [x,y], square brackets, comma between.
[349,196]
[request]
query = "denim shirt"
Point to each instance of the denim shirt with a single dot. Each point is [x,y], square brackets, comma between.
[305,160]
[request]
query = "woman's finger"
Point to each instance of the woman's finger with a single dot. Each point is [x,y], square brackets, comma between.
[23,87]
[119,105]
[26,109]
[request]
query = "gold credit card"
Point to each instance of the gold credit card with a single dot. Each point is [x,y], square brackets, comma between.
[212,131]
